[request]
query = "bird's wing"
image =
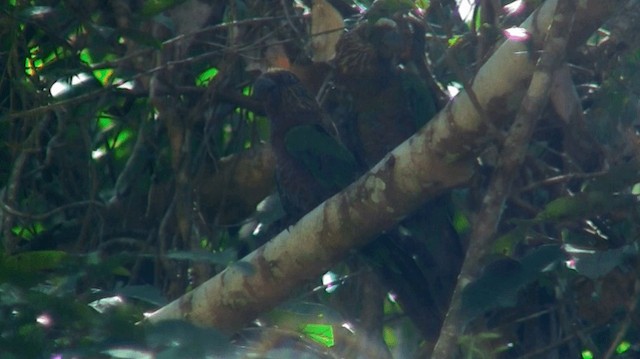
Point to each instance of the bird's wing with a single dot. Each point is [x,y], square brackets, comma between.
[323,156]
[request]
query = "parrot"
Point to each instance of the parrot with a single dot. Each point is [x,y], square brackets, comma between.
[312,165]
[381,78]
[384,93]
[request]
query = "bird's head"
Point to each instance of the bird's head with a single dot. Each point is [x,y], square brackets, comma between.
[269,86]
[282,92]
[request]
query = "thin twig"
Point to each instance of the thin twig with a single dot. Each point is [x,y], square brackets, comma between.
[561,179]
[39,217]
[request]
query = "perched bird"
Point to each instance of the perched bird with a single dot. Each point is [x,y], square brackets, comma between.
[380,70]
[311,164]
[385,93]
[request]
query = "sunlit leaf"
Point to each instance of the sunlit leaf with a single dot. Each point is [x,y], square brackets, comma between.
[205,77]
[122,137]
[29,232]
[506,243]
[105,122]
[623,347]
[454,40]
[37,61]
[320,333]
[461,222]
[423,4]
[104,76]
[296,315]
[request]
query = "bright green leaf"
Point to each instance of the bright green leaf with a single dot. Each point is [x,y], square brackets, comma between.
[121,138]
[205,77]
[454,40]
[623,347]
[28,232]
[423,4]
[320,333]
[390,337]
[105,122]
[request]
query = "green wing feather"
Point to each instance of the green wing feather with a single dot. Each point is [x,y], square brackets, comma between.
[324,157]
[420,99]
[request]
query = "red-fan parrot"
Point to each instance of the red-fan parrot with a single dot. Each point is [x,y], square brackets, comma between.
[383,82]
[312,165]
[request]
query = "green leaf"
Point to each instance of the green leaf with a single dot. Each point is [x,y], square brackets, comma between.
[29,232]
[616,179]
[595,264]
[206,76]
[506,243]
[320,333]
[497,287]
[454,40]
[423,4]
[623,347]
[502,280]
[296,316]
[583,205]
[36,260]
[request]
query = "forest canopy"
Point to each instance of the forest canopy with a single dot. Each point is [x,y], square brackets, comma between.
[326,178]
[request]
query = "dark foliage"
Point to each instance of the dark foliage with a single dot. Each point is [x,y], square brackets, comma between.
[134,156]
